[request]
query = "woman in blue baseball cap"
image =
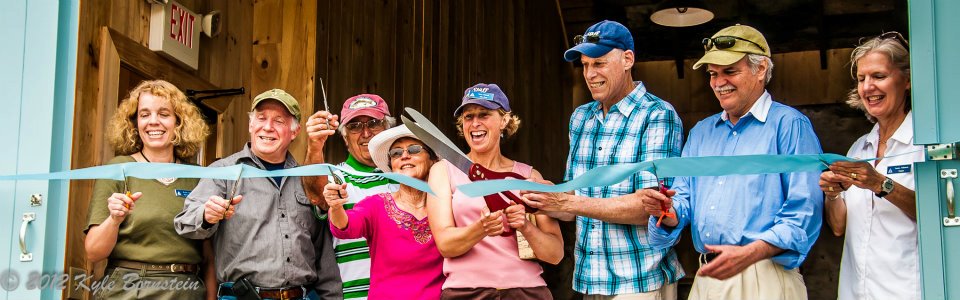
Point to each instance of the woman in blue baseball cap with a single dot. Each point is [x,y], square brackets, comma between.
[482,259]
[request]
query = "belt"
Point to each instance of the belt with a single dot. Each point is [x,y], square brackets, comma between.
[172,268]
[706,258]
[284,293]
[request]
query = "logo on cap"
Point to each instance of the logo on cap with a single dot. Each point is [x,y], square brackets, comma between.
[477,94]
[362,102]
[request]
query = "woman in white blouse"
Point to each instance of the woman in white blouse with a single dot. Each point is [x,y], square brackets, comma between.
[874,203]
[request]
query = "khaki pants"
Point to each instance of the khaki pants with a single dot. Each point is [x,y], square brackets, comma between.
[123,283]
[762,280]
[666,292]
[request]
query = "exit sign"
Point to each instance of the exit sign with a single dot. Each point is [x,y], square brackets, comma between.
[175,33]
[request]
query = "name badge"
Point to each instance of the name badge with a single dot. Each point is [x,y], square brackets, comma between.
[898,169]
[182,193]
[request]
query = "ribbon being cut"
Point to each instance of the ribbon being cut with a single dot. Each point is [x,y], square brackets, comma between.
[601,176]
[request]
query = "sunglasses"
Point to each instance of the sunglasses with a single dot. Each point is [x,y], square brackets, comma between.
[725,41]
[897,36]
[593,38]
[398,152]
[373,125]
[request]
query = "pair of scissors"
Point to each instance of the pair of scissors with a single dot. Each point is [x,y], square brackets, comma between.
[126,191]
[663,206]
[233,193]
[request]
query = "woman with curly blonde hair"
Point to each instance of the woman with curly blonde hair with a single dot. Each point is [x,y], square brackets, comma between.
[155,124]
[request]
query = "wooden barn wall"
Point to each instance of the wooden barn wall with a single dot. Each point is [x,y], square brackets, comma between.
[224,62]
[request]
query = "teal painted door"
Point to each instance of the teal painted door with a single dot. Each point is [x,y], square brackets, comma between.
[36,107]
[935,42]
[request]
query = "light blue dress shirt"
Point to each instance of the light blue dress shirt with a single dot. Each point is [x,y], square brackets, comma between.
[785,210]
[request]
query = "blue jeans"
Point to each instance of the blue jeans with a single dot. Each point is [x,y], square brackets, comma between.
[311,293]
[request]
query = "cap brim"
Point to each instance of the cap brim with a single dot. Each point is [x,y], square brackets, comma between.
[257,102]
[486,104]
[719,57]
[370,112]
[589,49]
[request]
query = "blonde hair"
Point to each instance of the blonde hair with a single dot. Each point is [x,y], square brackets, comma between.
[513,123]
[190,133]
[898,55]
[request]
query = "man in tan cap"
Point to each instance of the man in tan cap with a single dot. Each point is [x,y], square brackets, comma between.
[265,239]
[753,231]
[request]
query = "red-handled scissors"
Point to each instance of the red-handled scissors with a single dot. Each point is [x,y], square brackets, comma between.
[663,206]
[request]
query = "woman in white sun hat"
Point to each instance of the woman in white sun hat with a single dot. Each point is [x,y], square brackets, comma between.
[405,263]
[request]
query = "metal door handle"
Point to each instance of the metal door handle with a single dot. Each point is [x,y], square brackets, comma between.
[24,254]
[951,210]
[951,220]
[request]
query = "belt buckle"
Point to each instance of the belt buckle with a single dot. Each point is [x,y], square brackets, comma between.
[173,268]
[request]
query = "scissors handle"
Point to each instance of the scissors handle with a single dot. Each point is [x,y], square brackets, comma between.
[494,201]
[663,206]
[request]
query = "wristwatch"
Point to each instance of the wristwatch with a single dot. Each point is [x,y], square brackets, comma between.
[885,188]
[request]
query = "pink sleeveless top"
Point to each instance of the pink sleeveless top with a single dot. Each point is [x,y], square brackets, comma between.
[494,262]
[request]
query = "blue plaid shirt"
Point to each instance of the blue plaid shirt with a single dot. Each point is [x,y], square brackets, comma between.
[613,259]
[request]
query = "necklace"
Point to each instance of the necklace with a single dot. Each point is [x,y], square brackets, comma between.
[164,181]
[422,201]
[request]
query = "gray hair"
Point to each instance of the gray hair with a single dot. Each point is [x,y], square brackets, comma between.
[391,122]
[898,55]
[293,126]
[754,60]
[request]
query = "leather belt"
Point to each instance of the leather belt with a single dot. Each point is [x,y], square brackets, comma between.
[172,268]
[706,258]
[285,293]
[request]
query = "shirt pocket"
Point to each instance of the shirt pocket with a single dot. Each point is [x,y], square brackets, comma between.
[301,212]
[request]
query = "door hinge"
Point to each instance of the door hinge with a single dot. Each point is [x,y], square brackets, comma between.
[942,151]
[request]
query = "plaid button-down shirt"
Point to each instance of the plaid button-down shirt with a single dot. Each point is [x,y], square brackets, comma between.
[613,259]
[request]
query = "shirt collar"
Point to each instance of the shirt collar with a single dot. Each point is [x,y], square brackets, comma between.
[626,105]
[903,135]
[357,165]
[248,155]
[759,110]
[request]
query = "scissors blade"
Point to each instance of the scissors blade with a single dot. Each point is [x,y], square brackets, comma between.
[233,191]
[425,123]
[336,179]
[442,149]
[326,106]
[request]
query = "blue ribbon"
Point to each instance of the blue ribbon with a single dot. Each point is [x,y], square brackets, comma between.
[600,176]
[166,170]
[667,167]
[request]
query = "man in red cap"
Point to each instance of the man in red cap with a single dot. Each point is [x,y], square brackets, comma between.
[363,116]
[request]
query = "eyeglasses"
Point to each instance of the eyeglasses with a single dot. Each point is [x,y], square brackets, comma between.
[592,37]
[373,125]
[726,41]
[398,152]
[897,36]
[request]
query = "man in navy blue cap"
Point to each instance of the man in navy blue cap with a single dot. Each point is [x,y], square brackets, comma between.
[625,124]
